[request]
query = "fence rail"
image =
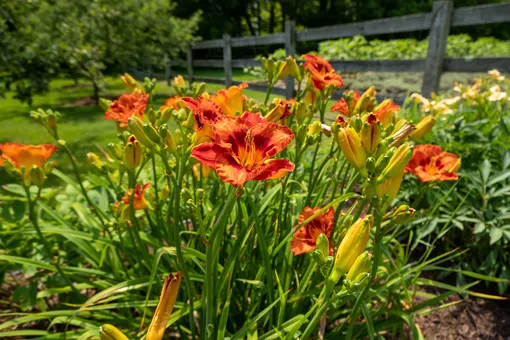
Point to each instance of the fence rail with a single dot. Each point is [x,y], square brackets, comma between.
[438,22]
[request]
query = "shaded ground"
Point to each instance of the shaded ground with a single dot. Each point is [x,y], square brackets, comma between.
[471,319]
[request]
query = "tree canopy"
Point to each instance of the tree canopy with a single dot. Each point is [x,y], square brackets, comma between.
[42,39]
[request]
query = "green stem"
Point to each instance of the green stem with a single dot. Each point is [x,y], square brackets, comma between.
[377,258]
[268,93]
[212,251]
[33,218]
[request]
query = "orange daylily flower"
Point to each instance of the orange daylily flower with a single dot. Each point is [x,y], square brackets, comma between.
[321,72]
[231,100]
[206,113]
[385,111]
[304,239]
[171,103]
[127,105]
[23,155]
[343,106]
[430,163]
[139,201]
[242,149]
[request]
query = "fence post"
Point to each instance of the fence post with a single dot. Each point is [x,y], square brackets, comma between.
[290,50]
[189,64]
[438,38]
[227,59]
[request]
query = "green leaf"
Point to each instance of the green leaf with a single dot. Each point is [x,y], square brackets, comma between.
[499,177]
[485,170]
[495,234]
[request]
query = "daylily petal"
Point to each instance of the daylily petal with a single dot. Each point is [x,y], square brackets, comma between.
[273,169]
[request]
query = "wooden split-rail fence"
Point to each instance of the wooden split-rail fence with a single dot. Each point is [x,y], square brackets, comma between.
[438,23]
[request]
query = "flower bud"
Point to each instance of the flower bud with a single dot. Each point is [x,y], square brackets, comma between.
[129,81]
[165,306]
[311,96]
[390,187]
[401,134]
[301,112]
[404,214]
[352,149]
[314,129]
[132,153]
[94,160]
[37,176]
[363,264]
[423,127]
[283,70]
[151,133]
[165,191]
[199,194]
[370,134]
[136,127]
[116,150]
[397,162]
[179,82]
[110,332]
[294,68]
[352,245]
[322,245]
[152,115]
[366,102]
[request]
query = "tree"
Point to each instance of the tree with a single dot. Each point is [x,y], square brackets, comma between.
[85,38]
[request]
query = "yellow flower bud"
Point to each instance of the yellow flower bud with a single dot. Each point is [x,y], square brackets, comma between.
[179,82]
[133,153]
[94,160]
[370,134]
[352,245]
[314,129]
[363,264]
[105,104]
[165,191]
[391,186]
[294,68]
[37,176]
[165,307]
[350,143]
[301,111]
[366,102]
[404,214]
[397,162]
[110,332]
[151,133]
[283,70]
[423,127]
[136,127]
[129,81]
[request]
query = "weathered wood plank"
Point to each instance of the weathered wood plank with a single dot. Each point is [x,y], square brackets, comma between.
[417,65]
[216,43]
[290,50]
[406,23]
[227,59]
[241,63]
[212,80]
[484,14]
[215,63]
[267,39]
[262,88]
[438,37]
[476,65]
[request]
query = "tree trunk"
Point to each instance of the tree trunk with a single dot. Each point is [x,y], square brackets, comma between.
[96,91]
[248,22]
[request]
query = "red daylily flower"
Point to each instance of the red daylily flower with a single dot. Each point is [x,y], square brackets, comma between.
[385,111]
[206,113]
[321,72]
[126,106]
[304,239]
[345,107]
[242,148]
[430,163]
[172,102]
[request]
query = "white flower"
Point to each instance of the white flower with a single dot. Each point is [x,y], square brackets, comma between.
[495,74]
